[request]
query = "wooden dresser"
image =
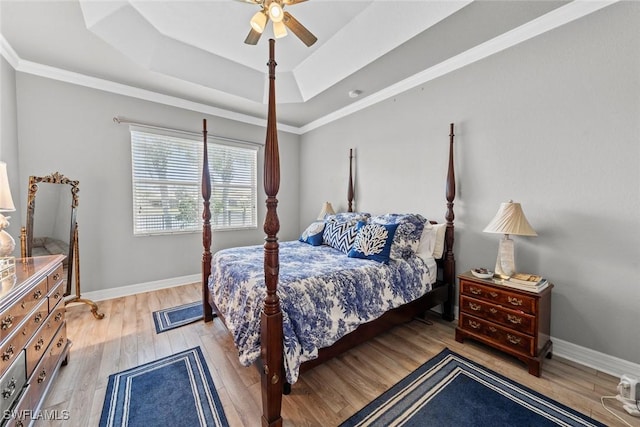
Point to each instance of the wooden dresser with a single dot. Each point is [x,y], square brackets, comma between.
[33,336]
[514,321]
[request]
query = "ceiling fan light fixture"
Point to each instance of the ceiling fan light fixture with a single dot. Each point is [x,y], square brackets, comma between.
[275,12]
[259,21]
[279,29]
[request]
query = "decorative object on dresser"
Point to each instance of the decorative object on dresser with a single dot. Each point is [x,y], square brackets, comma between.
[509,220]
[52,228]
[33,336]
[512,320]
[526,282]
[7,243]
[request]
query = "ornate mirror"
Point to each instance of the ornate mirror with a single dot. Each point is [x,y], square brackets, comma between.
[52,228]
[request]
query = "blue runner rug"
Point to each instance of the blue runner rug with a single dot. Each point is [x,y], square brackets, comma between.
[173,317]
[172,391]
[450,390]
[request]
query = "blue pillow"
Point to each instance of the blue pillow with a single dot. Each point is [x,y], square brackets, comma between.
[340,235]
[313,234]
[373,241]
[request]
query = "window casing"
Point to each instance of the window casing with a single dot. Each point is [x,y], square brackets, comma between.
[167,170]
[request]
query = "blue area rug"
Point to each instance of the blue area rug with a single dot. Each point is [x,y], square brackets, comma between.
[174,317]
[172,391]
[450,390]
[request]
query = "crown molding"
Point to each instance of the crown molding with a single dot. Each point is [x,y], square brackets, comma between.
[9,54]
[554,19]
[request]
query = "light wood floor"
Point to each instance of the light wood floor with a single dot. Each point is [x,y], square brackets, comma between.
[324,396]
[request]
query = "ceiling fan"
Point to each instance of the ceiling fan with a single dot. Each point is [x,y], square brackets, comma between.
[273,9]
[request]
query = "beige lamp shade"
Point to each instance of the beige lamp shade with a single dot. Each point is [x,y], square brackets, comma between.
[6,201]
[510,220]
[327,209]
[7,244]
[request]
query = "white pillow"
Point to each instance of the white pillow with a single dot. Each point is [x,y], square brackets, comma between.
[427,242]
[438,247]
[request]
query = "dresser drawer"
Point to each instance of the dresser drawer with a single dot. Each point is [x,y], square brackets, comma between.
[505,337]
[38,344]
[18,415]
[12,382]
[55,277]
[12,317]
[514,319]
[56,295]
[44,370]
[506,298]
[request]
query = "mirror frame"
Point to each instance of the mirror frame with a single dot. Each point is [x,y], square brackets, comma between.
[55,178]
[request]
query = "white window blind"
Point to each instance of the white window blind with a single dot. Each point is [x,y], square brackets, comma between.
[167,170]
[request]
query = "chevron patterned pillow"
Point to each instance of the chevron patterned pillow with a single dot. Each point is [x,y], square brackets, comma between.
[340,235]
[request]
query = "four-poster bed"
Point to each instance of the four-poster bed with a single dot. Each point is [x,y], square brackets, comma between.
[274,358]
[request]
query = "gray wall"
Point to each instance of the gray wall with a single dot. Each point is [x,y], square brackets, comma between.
[9,145]
[552,123]
[69,129]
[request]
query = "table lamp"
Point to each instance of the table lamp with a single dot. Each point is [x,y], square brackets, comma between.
[327,209]
[7,244]
[509,220]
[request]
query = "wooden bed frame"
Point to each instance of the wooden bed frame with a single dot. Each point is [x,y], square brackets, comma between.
[271,364]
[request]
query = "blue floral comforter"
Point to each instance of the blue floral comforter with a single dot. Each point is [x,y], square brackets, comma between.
[323,295]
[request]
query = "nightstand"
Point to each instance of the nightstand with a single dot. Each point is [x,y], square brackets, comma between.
[514,321]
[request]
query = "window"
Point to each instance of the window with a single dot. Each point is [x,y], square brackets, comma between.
[167,170]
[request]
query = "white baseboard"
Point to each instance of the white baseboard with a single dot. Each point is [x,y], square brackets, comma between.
[602,362]
[139,288]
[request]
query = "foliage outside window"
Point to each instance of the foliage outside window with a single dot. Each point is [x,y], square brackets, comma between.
[167,170]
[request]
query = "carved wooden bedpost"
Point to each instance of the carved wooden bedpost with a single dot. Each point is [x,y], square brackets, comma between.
[207,311]
[449,259]
[350,189]
[271,317]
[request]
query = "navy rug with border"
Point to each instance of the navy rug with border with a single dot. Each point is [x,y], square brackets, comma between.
[451,390]
[174,317]
[173,391]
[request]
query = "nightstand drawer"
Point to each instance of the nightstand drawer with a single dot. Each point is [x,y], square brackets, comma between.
[506,298]
[508,338]
[519,321]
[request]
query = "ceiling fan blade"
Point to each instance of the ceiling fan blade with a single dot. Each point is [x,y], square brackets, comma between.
[298,29]
[252,37]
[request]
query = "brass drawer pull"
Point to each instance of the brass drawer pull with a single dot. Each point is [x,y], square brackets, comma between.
[514,319]
[8,353]
[11,388]
[493,329]
[475,291]
[39,344]
[514,301]
[56,295]
[37,294]
[474,324]
[7,322]
[60,342]
[493,310]
[513,339]
[493,294]
[56,276]
[475,307]
[42,376]
[58,317]
[38,317]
